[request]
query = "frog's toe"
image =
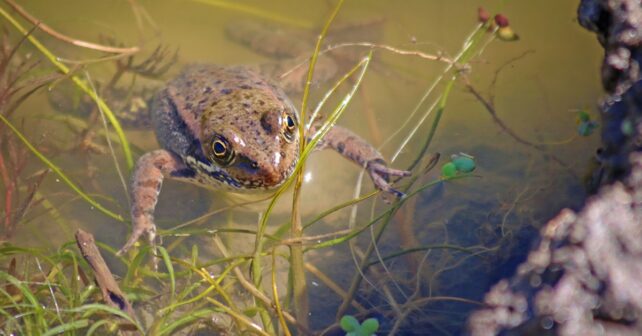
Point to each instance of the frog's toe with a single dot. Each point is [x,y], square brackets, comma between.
[139,230]
[379,167]
[382,184]
[385,170]
[380,173]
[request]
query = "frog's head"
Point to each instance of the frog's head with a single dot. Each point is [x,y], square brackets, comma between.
[252,137]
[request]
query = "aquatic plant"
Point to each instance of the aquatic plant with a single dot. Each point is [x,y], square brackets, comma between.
[51,292]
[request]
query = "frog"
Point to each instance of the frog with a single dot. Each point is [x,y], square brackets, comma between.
[234,129]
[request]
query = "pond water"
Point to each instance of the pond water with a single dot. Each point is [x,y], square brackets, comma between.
[480,226]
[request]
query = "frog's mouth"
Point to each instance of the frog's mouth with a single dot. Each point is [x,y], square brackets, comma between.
[240,176]
[260,177]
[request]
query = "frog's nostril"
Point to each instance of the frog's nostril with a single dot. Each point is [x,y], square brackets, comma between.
[267,122]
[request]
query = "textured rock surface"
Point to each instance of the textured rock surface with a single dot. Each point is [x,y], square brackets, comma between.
[584,276]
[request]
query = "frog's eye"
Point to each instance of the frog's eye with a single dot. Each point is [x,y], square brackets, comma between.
[221,151]
[289,127]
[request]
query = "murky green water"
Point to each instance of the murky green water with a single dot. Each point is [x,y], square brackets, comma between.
[516,188]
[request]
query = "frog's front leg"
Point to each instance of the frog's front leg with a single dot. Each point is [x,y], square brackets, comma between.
[359,151]
[147,180]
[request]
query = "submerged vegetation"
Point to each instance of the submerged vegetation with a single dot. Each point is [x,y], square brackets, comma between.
[211,284]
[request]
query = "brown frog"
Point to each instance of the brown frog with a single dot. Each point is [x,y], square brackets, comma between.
[231,128]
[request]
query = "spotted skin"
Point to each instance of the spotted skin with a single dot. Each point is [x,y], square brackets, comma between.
[208,108]
[357,150]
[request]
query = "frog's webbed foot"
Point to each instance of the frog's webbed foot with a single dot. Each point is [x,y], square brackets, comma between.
[380,174]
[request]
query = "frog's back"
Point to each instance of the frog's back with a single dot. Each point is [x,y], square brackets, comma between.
[177,110]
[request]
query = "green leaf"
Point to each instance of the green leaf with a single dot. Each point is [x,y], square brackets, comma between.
[449,170]
[251,311]
[170,270]
[349,323]
[187,319]
[583,116]
[586,128]
[79,324]
[370,326]
[464,164]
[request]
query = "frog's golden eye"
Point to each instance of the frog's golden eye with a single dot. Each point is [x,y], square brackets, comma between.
[221,151]
[289,128]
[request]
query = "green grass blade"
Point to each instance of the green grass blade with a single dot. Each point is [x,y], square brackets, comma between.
[272,16]
[187,319]
[80,83]
[58,171]
[97,325]
[8,322]
[170,270]
[96,308]
[35,306]
[71,326]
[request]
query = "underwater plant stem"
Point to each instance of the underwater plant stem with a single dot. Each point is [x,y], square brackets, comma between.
[313,62]
[299,285]
[81,84]
[318,135]
[441,106]
[255,292]
[356,281]
[108,140]
[239,317]
[399,51]
[333,286]
[255,266]
[493,113]
[9,185]
[58,171]
[275,295]
[464,56]
[273,16]
[67,39]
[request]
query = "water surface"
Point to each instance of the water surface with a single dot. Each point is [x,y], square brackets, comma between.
[553,72]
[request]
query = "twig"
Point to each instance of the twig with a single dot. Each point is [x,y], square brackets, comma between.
[314,239]
[493,113]
[420,54]
[112,294]
[80,43]
[8,195]
[493,83]
[417,53]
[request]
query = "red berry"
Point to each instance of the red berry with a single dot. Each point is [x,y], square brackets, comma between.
[483,15]
[501,20]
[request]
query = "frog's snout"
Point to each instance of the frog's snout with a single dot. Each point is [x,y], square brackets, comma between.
[259,173]
[269,174]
